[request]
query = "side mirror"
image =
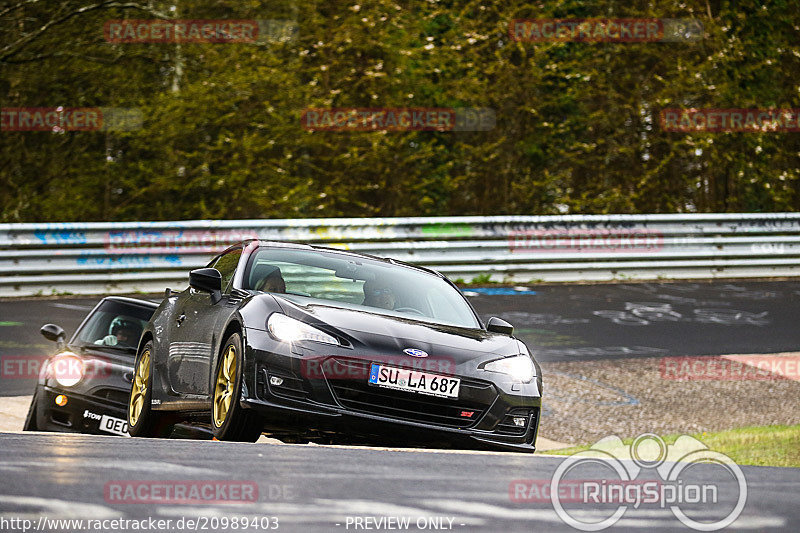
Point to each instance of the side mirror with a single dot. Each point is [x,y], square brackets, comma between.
[207,280]
[54,333]
[498,325]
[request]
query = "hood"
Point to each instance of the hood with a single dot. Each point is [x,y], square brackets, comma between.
[384,334]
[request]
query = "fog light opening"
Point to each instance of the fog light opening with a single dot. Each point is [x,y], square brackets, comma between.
[520,421]
[61,400]
[276,381]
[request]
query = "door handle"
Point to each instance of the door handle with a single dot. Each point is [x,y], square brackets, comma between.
[180,320]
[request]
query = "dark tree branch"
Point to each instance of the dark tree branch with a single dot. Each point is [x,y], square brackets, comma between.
[14,48]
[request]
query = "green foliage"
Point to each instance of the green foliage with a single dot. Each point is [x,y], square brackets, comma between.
[482,279]
[755,445]
[577,123]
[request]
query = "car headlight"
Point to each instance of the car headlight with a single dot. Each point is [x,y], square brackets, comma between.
[288,329]
[519,367]
[67,369]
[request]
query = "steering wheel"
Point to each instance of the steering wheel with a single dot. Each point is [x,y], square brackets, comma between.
[410,310]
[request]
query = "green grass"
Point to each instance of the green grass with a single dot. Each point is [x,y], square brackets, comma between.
[481,279]
[756,445]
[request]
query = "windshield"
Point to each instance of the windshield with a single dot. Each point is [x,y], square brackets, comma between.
[357,283]
[115,325]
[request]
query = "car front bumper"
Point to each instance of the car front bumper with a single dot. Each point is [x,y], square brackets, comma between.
[81,414]
[338,399]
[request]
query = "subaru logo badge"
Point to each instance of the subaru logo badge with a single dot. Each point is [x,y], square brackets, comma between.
[413,352]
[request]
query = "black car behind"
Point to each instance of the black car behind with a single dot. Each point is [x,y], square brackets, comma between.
[84,386]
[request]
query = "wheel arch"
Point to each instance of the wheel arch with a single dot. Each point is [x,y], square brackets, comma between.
[147,336]
[233,326]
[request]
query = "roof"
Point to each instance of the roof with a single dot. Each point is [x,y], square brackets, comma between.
[135,301]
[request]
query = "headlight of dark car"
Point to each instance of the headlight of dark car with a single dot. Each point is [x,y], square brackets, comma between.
[67,369]
[519,367]
[288,329]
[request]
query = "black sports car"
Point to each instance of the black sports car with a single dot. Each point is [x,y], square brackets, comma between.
[84,387]
[308,342]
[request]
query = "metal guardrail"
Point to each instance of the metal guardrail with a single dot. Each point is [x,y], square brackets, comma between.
[105,257]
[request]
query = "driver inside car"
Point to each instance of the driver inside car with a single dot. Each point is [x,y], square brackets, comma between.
[272,282]
[123,332]
[379,295]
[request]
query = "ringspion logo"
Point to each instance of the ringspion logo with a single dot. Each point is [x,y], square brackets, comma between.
[612,477]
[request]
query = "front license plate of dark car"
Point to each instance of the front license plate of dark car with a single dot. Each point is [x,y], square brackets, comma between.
[411,380]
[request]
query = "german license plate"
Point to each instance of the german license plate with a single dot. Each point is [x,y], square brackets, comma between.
[408,379]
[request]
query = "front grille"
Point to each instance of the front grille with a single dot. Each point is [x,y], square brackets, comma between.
[475,397]
[116,396]
[61,418]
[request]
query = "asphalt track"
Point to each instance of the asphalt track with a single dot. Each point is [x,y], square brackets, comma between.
[323,488]
[559,322]
[319,488]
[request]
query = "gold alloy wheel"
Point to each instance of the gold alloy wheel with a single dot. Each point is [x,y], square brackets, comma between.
[223,390]
[139,388]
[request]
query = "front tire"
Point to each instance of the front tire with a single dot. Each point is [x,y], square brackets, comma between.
[142,420]
[30,420]
[229,421]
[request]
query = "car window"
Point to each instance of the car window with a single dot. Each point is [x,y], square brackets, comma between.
[305,280]
[306,276]
[226,265]
[114,324]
